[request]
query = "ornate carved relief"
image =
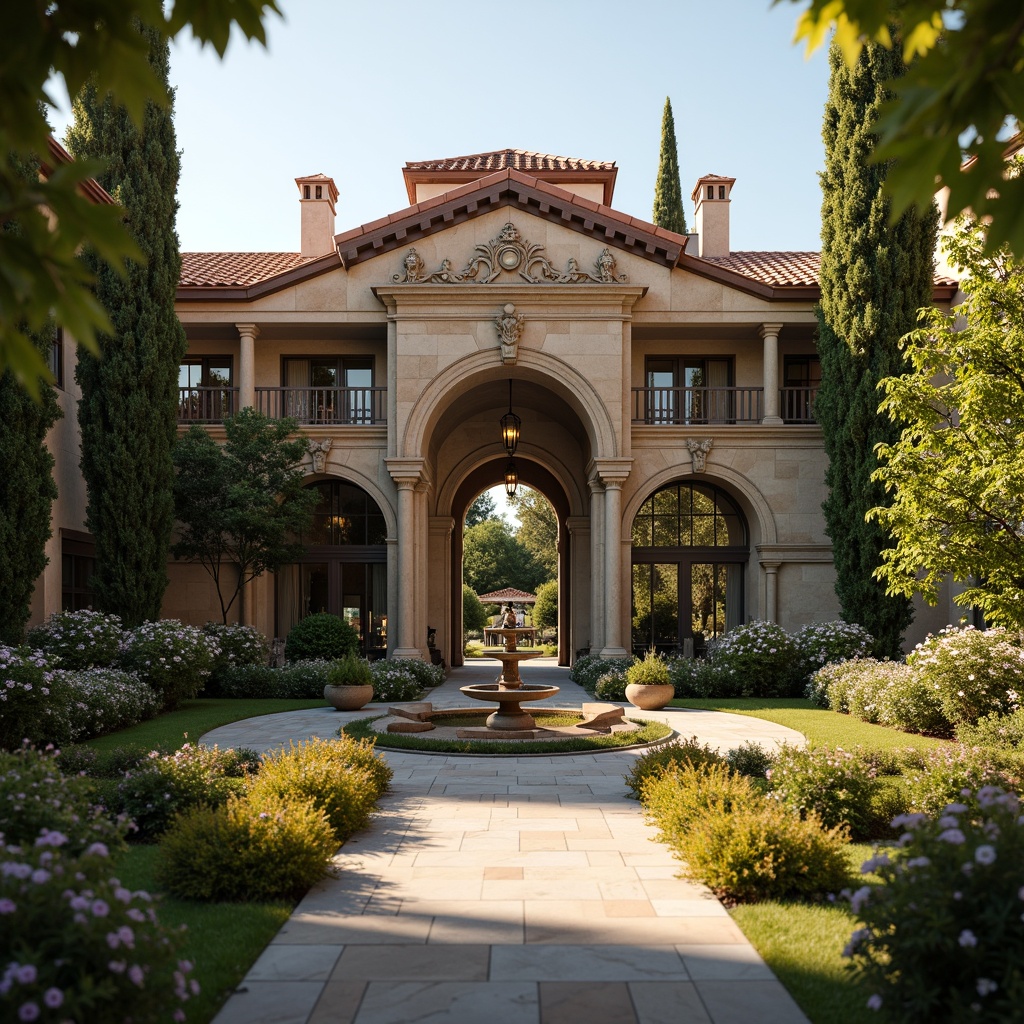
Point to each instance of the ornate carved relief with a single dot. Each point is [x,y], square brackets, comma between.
[318,450]
[509,253]
[699,452]
[509,325]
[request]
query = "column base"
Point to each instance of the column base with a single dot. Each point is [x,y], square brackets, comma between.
[772,421]
[407,652]
[614,652]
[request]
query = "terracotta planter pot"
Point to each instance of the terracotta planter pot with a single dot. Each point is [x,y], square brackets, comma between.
[347,698]
[649,696]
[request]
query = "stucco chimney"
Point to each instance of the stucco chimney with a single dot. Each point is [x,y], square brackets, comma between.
[711,214]
[317,196]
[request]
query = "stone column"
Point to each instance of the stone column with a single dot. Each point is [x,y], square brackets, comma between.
[407,474]
[597,565]
[770,334]
[613,473]
[577,627]
[247,335]
[771,590]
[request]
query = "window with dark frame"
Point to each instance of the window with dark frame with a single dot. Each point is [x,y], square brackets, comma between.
[206,389]
[78,564]
[330,389]
[689,389]
[801,380]
[56,360]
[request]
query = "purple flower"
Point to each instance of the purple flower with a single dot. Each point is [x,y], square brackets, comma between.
[7,906]
[136,975]
[986,986]
[875,1002]
[26,974]
[985,854]
[967,939]
[100,908]
[28,1011]
[952,835]
[53,997]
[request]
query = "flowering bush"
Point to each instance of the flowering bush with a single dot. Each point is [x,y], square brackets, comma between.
[653,762]
[424,672]
[824,643]
[237,645]
[833,784]
[760,657]
[1005,732]
[104,700]
[81,639]
[321,636]
[611,686]
[167,784]
[37,797]
[698,677]
[303,680]
[944,773]
[974,672]
[394,680]
[173,658]
[751,759]
[942,935]
[587,670]
[33,706]
[76,945]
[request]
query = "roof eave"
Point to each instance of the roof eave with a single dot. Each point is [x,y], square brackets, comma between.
[246,293]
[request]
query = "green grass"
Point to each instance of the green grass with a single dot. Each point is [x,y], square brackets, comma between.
[649,732]
[222,939]
[172,730]
[821,727]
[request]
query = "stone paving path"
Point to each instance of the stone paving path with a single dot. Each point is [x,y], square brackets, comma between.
[508,890]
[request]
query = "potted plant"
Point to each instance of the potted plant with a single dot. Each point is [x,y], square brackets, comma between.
[647,683]
[349,684]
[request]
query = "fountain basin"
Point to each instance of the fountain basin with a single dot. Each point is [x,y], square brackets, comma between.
[509,714]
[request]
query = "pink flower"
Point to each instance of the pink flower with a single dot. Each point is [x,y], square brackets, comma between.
[136,975]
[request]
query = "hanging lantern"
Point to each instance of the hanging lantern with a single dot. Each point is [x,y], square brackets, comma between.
[511,478]
[510,424]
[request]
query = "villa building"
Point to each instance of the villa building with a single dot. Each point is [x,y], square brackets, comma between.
[664,383]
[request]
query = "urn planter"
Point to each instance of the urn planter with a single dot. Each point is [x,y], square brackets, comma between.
[343,697]
[649,696]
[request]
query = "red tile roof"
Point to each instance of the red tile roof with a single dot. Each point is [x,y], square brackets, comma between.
[508,594]
[235,269]
[772,268]
[510,159]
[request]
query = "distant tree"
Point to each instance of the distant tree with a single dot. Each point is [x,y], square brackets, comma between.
[874,278]
[482,509]
[545,611]
[668,193]
[492,558]
[128,411]
[242,507]
[538,528]
[474,616]
[956,472]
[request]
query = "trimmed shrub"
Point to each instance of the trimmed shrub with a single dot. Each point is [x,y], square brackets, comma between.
[34,707]
[974,672]
[611,686]
[334,774]
[254,848]
[424,672]
[106,699]
[740,844]
[942,935]
[321,636]
[77,640]
[588,669]
[649,670]
[833,785]
[750,759]
[350,671]
[174,659]
[698,677]
[394,681]
[679,752]
[944,774]
[305,680]
[78,946]
[761,657]
[825,643]
[237,645]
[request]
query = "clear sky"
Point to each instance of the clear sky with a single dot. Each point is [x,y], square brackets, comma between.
[355,88]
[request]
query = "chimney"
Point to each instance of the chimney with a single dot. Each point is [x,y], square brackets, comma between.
[317,196]
[711,214]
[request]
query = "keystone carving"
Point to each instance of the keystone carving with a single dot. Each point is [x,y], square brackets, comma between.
[699,452]
[318,450]
[509,253]
[509,325]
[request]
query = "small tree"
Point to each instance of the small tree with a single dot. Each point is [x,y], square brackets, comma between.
[545,611]
[493,558]
[538,528]
[242,505]
[956,473]
[482,509]
[474,617]
[668,194]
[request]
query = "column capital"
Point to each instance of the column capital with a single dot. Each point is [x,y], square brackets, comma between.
[611,472]
[407,472]
[771,567]
[576,523]
[770,330]
[441,524]
[248,331]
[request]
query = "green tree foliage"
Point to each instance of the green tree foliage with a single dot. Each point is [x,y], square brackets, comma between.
[873,280]
[492,558]
[128,411]
[956,472]
[538,528]
[545,611]
[482,509]
[474,616]
[963,90]
[40,275]
[668,194]
[241,506]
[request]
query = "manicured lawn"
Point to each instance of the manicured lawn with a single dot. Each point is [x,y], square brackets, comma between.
[821,727]
[171,731]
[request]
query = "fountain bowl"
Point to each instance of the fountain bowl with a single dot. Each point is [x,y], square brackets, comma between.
[509,714]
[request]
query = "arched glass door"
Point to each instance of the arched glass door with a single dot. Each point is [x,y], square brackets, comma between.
[690,550]
[343,569]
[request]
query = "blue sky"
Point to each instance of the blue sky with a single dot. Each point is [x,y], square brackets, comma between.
[355,89]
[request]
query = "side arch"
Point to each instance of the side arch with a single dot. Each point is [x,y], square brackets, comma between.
[351,476]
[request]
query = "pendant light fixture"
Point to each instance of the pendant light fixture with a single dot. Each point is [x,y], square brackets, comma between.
[511,478]
[510,424]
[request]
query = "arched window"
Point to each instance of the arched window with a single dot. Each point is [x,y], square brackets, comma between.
[343,569]
[690,549]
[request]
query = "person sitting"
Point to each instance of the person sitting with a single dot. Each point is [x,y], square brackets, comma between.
[509,620]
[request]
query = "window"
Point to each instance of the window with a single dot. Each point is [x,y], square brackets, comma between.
[801,380]
[319,191]
[721,191]
[330,390]
[205,392]
[711,191]
[686,389]
[56,360]
[78,563]
[305,191]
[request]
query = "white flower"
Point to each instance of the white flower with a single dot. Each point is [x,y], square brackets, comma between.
[967,939]
[985,854]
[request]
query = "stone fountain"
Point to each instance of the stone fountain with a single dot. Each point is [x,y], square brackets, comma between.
[509,690]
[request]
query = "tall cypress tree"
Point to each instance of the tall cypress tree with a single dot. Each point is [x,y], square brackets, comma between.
[874,278]
[668,195]
[129,394]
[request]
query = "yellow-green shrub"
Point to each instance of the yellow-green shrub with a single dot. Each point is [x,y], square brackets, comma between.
[653,762]
[343,778]
[254,847]
[739,843]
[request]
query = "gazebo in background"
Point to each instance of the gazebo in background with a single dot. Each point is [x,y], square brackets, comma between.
[507,595]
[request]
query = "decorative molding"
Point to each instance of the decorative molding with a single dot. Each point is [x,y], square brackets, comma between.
[509,325]
[509,253]
[699,452]
[318,450]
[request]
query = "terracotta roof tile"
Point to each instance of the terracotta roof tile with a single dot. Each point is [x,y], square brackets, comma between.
[772,268]
[235,269]
[510,159]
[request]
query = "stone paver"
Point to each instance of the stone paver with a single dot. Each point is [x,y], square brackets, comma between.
[508,890]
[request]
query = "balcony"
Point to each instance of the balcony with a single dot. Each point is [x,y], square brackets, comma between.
[682,406]
[319,406]
[206,405]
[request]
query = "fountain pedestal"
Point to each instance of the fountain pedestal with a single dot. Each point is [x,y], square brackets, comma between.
[509,690]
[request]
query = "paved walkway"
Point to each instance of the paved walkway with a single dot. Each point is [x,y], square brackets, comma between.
[508,890]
